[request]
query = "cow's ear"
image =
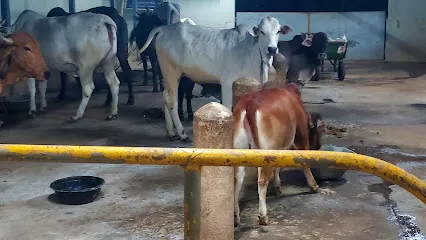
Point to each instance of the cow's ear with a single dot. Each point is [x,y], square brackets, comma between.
[254,31]
[5,65]
[285,29]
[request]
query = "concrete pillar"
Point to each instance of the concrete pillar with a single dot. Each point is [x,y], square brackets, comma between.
[213,125]
[244,86]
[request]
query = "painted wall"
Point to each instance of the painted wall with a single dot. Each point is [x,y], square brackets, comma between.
[44,6]
[210,13]
[364,30]
[406,31]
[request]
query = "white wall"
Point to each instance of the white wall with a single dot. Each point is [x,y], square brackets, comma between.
[364,30]
[406,31]
[210,13]
[44,6]
[81,5]
[39,6]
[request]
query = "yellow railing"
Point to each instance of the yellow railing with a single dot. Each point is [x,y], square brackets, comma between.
[191,159]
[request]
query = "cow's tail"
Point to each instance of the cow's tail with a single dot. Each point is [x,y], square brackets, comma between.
[251,127]
[151,36]
[112,37]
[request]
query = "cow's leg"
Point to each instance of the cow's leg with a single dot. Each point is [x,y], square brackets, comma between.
[172,76]
[62,94]
[160,77]
[181,95]
[114,85]
[32,90]
[188,96]
[153,61]
[277,181]
[145,69]
[302,143]
[240,141]
[240,173]
[264,175]
[87,86]
[42,86]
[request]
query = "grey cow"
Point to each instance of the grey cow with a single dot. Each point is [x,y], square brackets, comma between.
[83,42]
[209,55]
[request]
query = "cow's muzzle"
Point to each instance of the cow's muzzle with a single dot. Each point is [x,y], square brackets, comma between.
[47,75]
[272,50]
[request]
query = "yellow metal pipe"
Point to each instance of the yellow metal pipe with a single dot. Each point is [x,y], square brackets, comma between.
[189,157]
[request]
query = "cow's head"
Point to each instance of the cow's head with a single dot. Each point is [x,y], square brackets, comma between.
[20,55]
[268,33]
[316,128]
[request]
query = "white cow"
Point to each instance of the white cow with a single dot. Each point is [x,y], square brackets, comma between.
[82,42]
[209,55]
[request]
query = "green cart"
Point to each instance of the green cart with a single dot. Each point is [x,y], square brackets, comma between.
[335,53]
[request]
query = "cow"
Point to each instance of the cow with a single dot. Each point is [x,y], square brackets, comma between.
[20,58]
[209,55]
[302,55]
[122,48]
[83,42]
[273,119]
[146,22]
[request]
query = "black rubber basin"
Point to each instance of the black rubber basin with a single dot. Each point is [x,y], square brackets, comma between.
[77,190]
[330,174]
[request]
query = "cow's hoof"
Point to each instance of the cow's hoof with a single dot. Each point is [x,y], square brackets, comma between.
[263,220]
[112,117]
[72,120]
[314,189]
[130,102]
[43,110]
[187,140]
[236,220]
[32,114]
[155,90]
[174,138]
[279,191]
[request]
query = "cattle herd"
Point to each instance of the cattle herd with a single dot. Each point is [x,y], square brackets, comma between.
[182,54]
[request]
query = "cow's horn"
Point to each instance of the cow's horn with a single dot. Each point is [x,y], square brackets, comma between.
[6,40]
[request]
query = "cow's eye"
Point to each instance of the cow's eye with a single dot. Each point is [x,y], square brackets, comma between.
[27,49]
[278,32]
[262,32]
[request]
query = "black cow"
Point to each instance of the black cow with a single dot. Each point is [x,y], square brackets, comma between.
[146,22]
[122,47]
[302,55]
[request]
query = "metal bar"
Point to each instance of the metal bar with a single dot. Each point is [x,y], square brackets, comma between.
[192,203]
[5,11]
[71,6]
[112,3]
[215,157]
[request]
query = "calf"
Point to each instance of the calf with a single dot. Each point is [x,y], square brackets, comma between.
[20,58]
[209,55]
[273,119]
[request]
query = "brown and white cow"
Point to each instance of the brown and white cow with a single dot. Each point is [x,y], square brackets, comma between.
[20,58]
[273,119]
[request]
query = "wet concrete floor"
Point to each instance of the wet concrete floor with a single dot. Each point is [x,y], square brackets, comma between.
[377,111]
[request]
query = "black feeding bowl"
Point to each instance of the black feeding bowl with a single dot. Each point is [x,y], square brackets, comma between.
[77,189]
